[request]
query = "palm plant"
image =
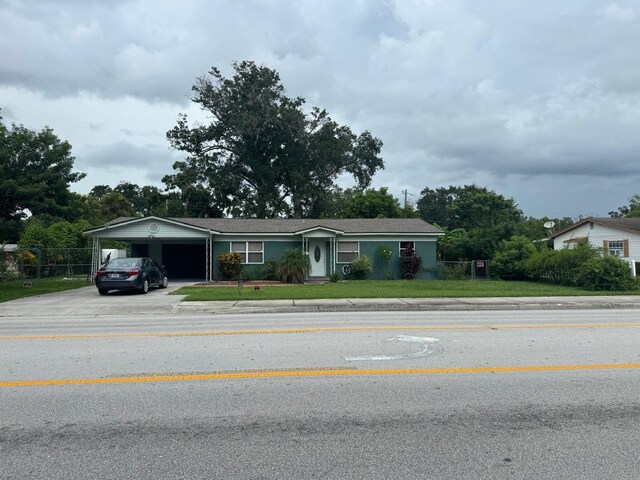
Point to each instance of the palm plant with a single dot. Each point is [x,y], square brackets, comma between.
[294,266]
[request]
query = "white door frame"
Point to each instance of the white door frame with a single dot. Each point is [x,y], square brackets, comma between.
[318,268]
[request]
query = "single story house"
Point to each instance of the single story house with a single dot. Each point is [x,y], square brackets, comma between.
[189,247]
[615,236]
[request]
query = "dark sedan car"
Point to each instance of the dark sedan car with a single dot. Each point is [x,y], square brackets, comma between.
[131,274]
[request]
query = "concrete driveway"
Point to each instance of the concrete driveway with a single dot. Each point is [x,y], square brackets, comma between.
[87,301]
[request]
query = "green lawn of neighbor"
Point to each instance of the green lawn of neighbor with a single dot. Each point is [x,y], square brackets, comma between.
[14,289]
[386,289]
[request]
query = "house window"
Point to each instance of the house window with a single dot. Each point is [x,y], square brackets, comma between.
[404,246]
[348,251]
[251,252]
[616,248]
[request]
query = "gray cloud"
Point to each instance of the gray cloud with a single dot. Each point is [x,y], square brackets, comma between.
[510,95]
[121,158]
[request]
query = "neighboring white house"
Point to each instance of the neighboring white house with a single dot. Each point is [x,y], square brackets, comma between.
[615,236]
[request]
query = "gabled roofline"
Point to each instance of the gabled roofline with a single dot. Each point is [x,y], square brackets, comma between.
[570,227]
[597,221]
[318,227]
[111,226]
[394,234]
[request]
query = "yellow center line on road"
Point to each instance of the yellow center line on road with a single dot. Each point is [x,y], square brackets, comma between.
[311,373]
[315,330]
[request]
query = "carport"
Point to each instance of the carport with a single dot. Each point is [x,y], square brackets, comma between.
[185,250]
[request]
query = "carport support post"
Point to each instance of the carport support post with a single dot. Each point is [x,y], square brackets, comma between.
[95,258]
[209,259]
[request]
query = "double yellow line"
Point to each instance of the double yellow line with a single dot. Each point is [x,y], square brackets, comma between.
[312,373]
[320,372]
[315,330]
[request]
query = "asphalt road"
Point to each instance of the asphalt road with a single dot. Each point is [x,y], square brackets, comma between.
[536,394]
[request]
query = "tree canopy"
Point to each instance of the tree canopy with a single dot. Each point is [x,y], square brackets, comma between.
[261,155]
[371,203]
[631,210]
[36,169]
[476,219]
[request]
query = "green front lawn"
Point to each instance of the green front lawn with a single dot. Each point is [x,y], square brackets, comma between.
[14,289]
[386,289]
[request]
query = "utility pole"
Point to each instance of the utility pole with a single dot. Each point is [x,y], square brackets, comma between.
[406,194]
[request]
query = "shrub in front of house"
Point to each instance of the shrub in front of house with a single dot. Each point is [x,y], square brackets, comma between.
[27,262]
[509,261]
[385,253]
[230,264]
[605,273]
[410,264]
[267,271]
[361,267]
[294,266]
[560,266]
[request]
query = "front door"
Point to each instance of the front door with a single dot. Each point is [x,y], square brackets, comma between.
[316,255]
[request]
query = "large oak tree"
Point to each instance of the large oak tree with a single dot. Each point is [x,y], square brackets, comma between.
[261,155]
[35,174]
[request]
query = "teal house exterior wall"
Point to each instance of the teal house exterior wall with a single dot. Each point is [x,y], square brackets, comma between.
[424,249]
[273,250]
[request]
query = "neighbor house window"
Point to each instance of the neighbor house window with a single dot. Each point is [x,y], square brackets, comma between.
[348,251]
[404,246]
[251,252]
[616,248]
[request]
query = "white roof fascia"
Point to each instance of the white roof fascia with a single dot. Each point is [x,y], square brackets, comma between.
[153,218]
[313,229]
[255,234]
[395,234]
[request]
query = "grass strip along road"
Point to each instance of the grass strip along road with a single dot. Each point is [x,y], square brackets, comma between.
[387,289]
[13,290]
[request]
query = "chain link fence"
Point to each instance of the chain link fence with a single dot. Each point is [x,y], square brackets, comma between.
[473,270]
[47,262]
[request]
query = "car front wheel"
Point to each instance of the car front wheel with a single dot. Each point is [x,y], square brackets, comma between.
[145,286]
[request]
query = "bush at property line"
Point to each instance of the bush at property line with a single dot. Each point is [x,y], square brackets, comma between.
[230,264]
[361,267]
[452,270]
[294,266]
[559,266]
[509,261]
[605,273]
[410,264]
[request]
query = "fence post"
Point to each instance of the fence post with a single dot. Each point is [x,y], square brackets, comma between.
[38,261]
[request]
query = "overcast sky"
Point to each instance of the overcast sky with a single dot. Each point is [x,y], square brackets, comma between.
[537,100]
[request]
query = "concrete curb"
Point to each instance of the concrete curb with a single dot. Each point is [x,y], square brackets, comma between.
[185,309]
[86,302]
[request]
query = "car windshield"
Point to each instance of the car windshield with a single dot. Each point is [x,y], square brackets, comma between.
[124,262]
